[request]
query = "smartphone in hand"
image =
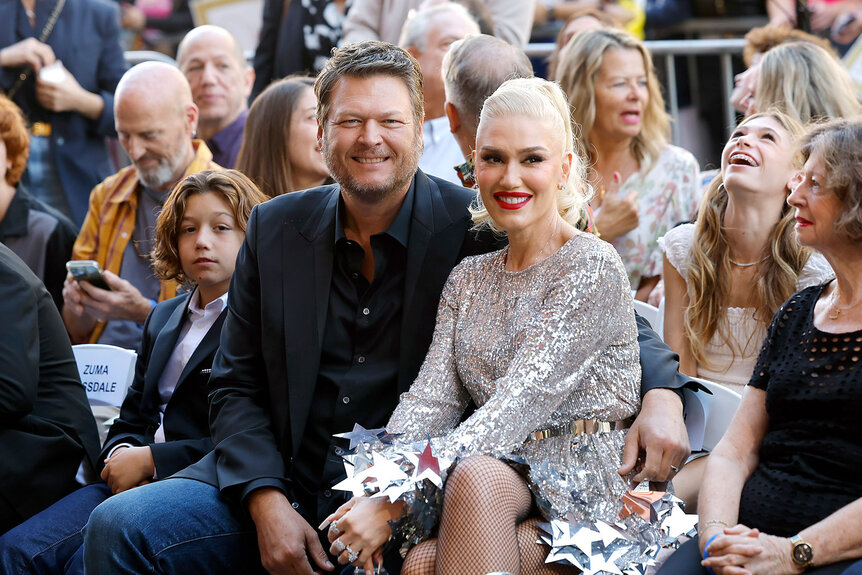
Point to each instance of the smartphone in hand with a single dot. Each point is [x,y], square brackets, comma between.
[87,271]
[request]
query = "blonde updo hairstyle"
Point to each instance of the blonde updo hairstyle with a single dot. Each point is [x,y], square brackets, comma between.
[541,100]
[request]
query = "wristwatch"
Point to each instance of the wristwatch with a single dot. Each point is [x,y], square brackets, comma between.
[801,552]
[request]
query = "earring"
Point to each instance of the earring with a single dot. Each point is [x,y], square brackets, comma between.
[561,187]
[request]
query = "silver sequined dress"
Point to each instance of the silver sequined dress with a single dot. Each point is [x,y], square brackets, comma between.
[533,349]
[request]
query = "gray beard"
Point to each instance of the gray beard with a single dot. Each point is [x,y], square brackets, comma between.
[377,193]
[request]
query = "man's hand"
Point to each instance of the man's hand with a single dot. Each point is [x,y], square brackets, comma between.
[618,216]
[285,539]
[128,467]
[30,52]
[124,301]
[659,434]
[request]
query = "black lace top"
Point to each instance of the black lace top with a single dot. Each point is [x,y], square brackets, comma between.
[811,457]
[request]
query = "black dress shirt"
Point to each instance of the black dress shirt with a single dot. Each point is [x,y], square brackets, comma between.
[357,381]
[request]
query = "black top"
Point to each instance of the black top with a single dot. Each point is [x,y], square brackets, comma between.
[357,381]
[46,427]
[811,455]
[42,237]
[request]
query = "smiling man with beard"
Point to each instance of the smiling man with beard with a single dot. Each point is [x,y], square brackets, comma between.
[155,120]
[330,314]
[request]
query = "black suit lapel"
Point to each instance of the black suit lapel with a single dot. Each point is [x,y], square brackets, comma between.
[432,252]
[163,347]
[307,281]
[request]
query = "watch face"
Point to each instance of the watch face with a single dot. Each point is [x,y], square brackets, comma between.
[802,553]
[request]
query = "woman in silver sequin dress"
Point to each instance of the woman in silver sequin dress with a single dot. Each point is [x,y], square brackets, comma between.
[538,335]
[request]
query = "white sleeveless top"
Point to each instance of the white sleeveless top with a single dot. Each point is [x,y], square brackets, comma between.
[744,330]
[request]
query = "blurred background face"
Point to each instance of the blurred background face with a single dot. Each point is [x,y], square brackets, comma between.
[220,83]
[577,25]
[306,159]
[621,95]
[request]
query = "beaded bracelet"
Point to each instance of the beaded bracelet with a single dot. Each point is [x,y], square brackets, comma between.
[702,527]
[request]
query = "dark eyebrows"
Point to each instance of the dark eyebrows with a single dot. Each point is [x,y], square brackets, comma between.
[522,151]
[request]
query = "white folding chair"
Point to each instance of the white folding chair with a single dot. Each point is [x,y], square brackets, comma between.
[708,413]
[651,314]
[106,372]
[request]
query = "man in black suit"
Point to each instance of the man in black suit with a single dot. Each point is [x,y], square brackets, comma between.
[331,312]
[46,428]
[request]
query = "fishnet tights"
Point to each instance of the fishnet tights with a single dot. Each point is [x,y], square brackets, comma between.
[483,527]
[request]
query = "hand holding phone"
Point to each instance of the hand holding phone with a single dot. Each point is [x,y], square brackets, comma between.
[87,271]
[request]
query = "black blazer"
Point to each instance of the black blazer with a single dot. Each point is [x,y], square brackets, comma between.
[187,436]
[262,387]
[46,427]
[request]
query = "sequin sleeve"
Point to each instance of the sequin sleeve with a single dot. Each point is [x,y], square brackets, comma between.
[437,399]
[584,325]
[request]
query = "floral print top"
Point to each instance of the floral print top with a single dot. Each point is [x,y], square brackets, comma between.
[667,195]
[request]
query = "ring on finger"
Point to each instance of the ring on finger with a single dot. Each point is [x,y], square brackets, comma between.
[675,468]
[333,528]
[351,554]
[339,545]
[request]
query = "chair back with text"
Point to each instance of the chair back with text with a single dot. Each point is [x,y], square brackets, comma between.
[106,372]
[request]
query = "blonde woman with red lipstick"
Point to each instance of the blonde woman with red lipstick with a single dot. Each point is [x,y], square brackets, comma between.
[644,186]
[539,335]
[727,274]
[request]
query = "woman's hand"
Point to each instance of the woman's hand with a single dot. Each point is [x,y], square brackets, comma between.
[361,524]
[744,551]
[618,216]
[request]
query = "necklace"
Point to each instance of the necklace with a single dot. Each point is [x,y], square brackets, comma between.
[745,264]
[835,311]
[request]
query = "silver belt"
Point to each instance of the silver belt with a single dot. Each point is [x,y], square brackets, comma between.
[580,427]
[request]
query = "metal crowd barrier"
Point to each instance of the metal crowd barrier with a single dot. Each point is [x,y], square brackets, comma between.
[668,50]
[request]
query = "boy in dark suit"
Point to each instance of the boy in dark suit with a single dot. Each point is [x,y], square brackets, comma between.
[163,423]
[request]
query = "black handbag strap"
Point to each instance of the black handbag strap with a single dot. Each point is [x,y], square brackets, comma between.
[46,33]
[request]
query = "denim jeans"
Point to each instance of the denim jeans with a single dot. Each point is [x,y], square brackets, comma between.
[41,177]
[173,526]
[50,541]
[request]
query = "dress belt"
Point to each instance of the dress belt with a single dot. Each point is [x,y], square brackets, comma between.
[580,427]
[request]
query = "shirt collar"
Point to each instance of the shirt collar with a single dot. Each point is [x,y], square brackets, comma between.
[399,229]
[436,129]
[215,306]
[228,136]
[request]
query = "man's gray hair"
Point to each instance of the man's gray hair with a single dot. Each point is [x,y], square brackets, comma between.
[414,34]
[474,68]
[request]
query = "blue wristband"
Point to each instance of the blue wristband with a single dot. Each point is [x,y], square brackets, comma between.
[706,552]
